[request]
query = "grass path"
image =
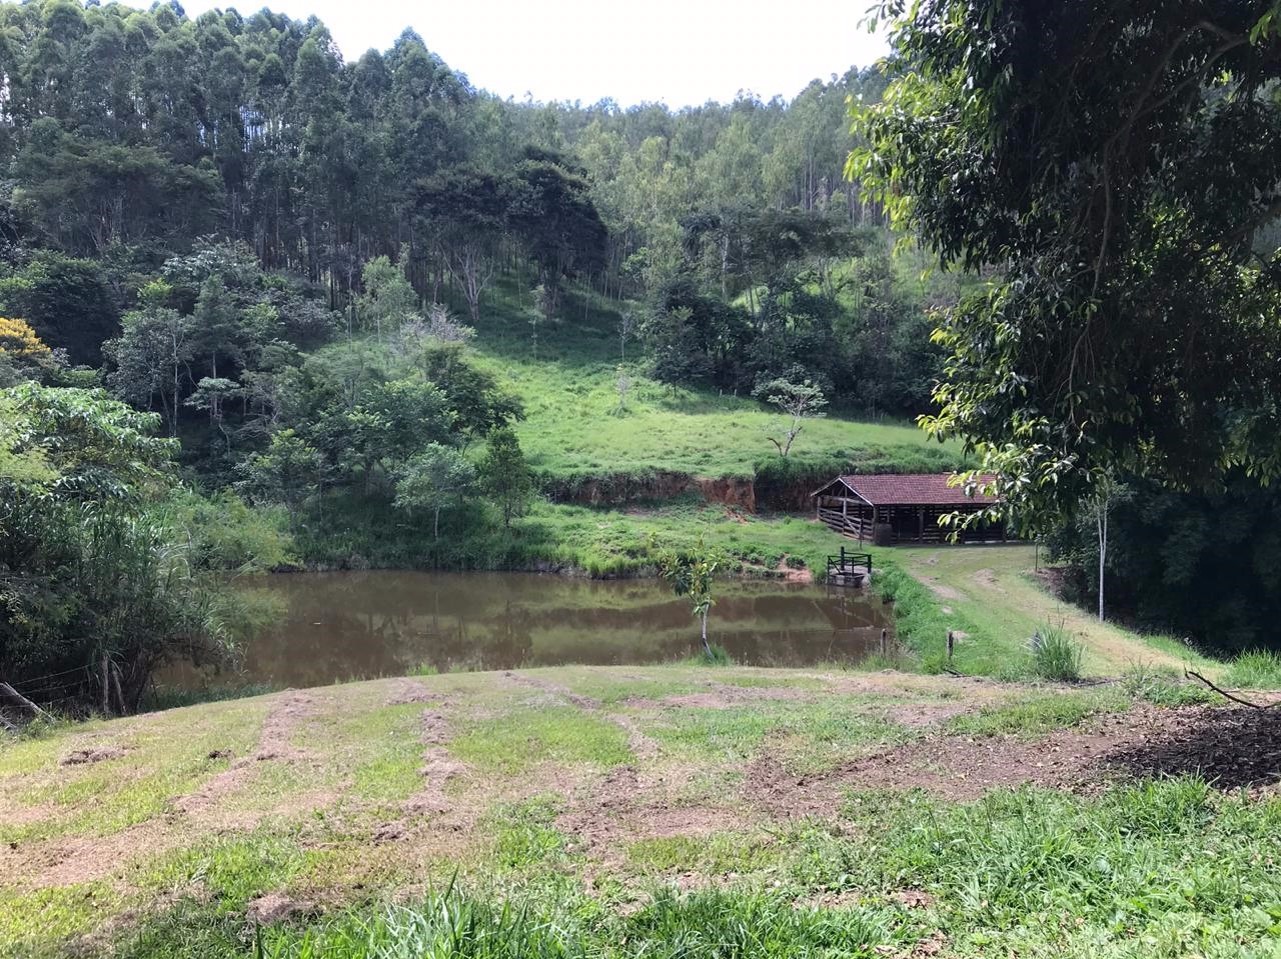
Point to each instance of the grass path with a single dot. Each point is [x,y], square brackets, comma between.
[995,586]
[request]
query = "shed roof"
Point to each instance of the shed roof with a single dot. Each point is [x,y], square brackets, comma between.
[909,489]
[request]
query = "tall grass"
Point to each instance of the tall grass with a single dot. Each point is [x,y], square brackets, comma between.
[1256,669]
[712,924]
[1055,654]
[1163,687]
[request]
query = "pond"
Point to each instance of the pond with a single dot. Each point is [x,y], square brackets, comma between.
[341,626]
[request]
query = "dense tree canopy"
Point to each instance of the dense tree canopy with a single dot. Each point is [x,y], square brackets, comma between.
[1110,168]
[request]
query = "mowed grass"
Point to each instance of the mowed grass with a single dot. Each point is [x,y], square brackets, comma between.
[990,594]
[616,812]
[575,427]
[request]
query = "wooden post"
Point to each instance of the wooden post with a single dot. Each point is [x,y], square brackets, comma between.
[920,525]
[951,644]
[884,641]
[106,686]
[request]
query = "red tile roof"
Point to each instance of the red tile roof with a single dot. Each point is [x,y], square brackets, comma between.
[912,489]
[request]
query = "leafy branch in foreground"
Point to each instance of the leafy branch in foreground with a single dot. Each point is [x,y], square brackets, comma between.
[1108,171]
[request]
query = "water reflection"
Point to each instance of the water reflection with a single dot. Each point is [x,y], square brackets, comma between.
[361,625]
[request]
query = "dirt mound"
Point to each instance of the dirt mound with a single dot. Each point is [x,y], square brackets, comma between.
[276,907]
[1231,748]
[93,754]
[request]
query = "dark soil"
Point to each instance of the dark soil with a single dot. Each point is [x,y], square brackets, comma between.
[1232,748]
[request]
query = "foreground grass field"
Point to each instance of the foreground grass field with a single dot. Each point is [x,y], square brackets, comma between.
[661,811]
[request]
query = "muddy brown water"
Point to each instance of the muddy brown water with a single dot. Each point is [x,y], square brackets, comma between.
[341,626]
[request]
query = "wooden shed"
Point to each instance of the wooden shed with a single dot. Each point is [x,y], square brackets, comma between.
[901,508]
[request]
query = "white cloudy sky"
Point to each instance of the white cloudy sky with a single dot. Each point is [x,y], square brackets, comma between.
[677,51]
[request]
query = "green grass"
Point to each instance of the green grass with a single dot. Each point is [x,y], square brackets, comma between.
[714,855]
[1165,687]
[989,594]
[608,542]
[547,847]
[1258,669]
[1039,713]
[524,833]
[1165,869]
[572,429]
[541,733]
[807,736]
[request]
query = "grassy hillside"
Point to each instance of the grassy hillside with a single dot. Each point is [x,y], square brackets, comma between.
[575,428]
[662,811]
[995,589]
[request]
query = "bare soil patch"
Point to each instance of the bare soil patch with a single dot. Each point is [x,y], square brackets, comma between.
[925,715]
[793,575]
[726,696]
[276,907]
[625,806]
[986,578]
[274,744]
[1231,748]
[93,754]
[406,691]
[555,689]
[941,590]
[438,768]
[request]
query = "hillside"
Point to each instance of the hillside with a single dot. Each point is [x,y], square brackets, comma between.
[643,811]
[575,430]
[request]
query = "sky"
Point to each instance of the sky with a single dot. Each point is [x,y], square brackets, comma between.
[680,52]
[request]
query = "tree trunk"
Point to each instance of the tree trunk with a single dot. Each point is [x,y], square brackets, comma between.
[706,646]
[1102,525]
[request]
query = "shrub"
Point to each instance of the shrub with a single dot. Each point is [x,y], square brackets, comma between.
[713,654]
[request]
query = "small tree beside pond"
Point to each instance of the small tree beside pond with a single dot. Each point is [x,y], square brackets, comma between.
[692,573]
[506,475]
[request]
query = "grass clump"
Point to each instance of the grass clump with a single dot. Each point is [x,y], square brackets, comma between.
[711,924]
[1163,687]
[713,654]
[1055,654]
[1256,669]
